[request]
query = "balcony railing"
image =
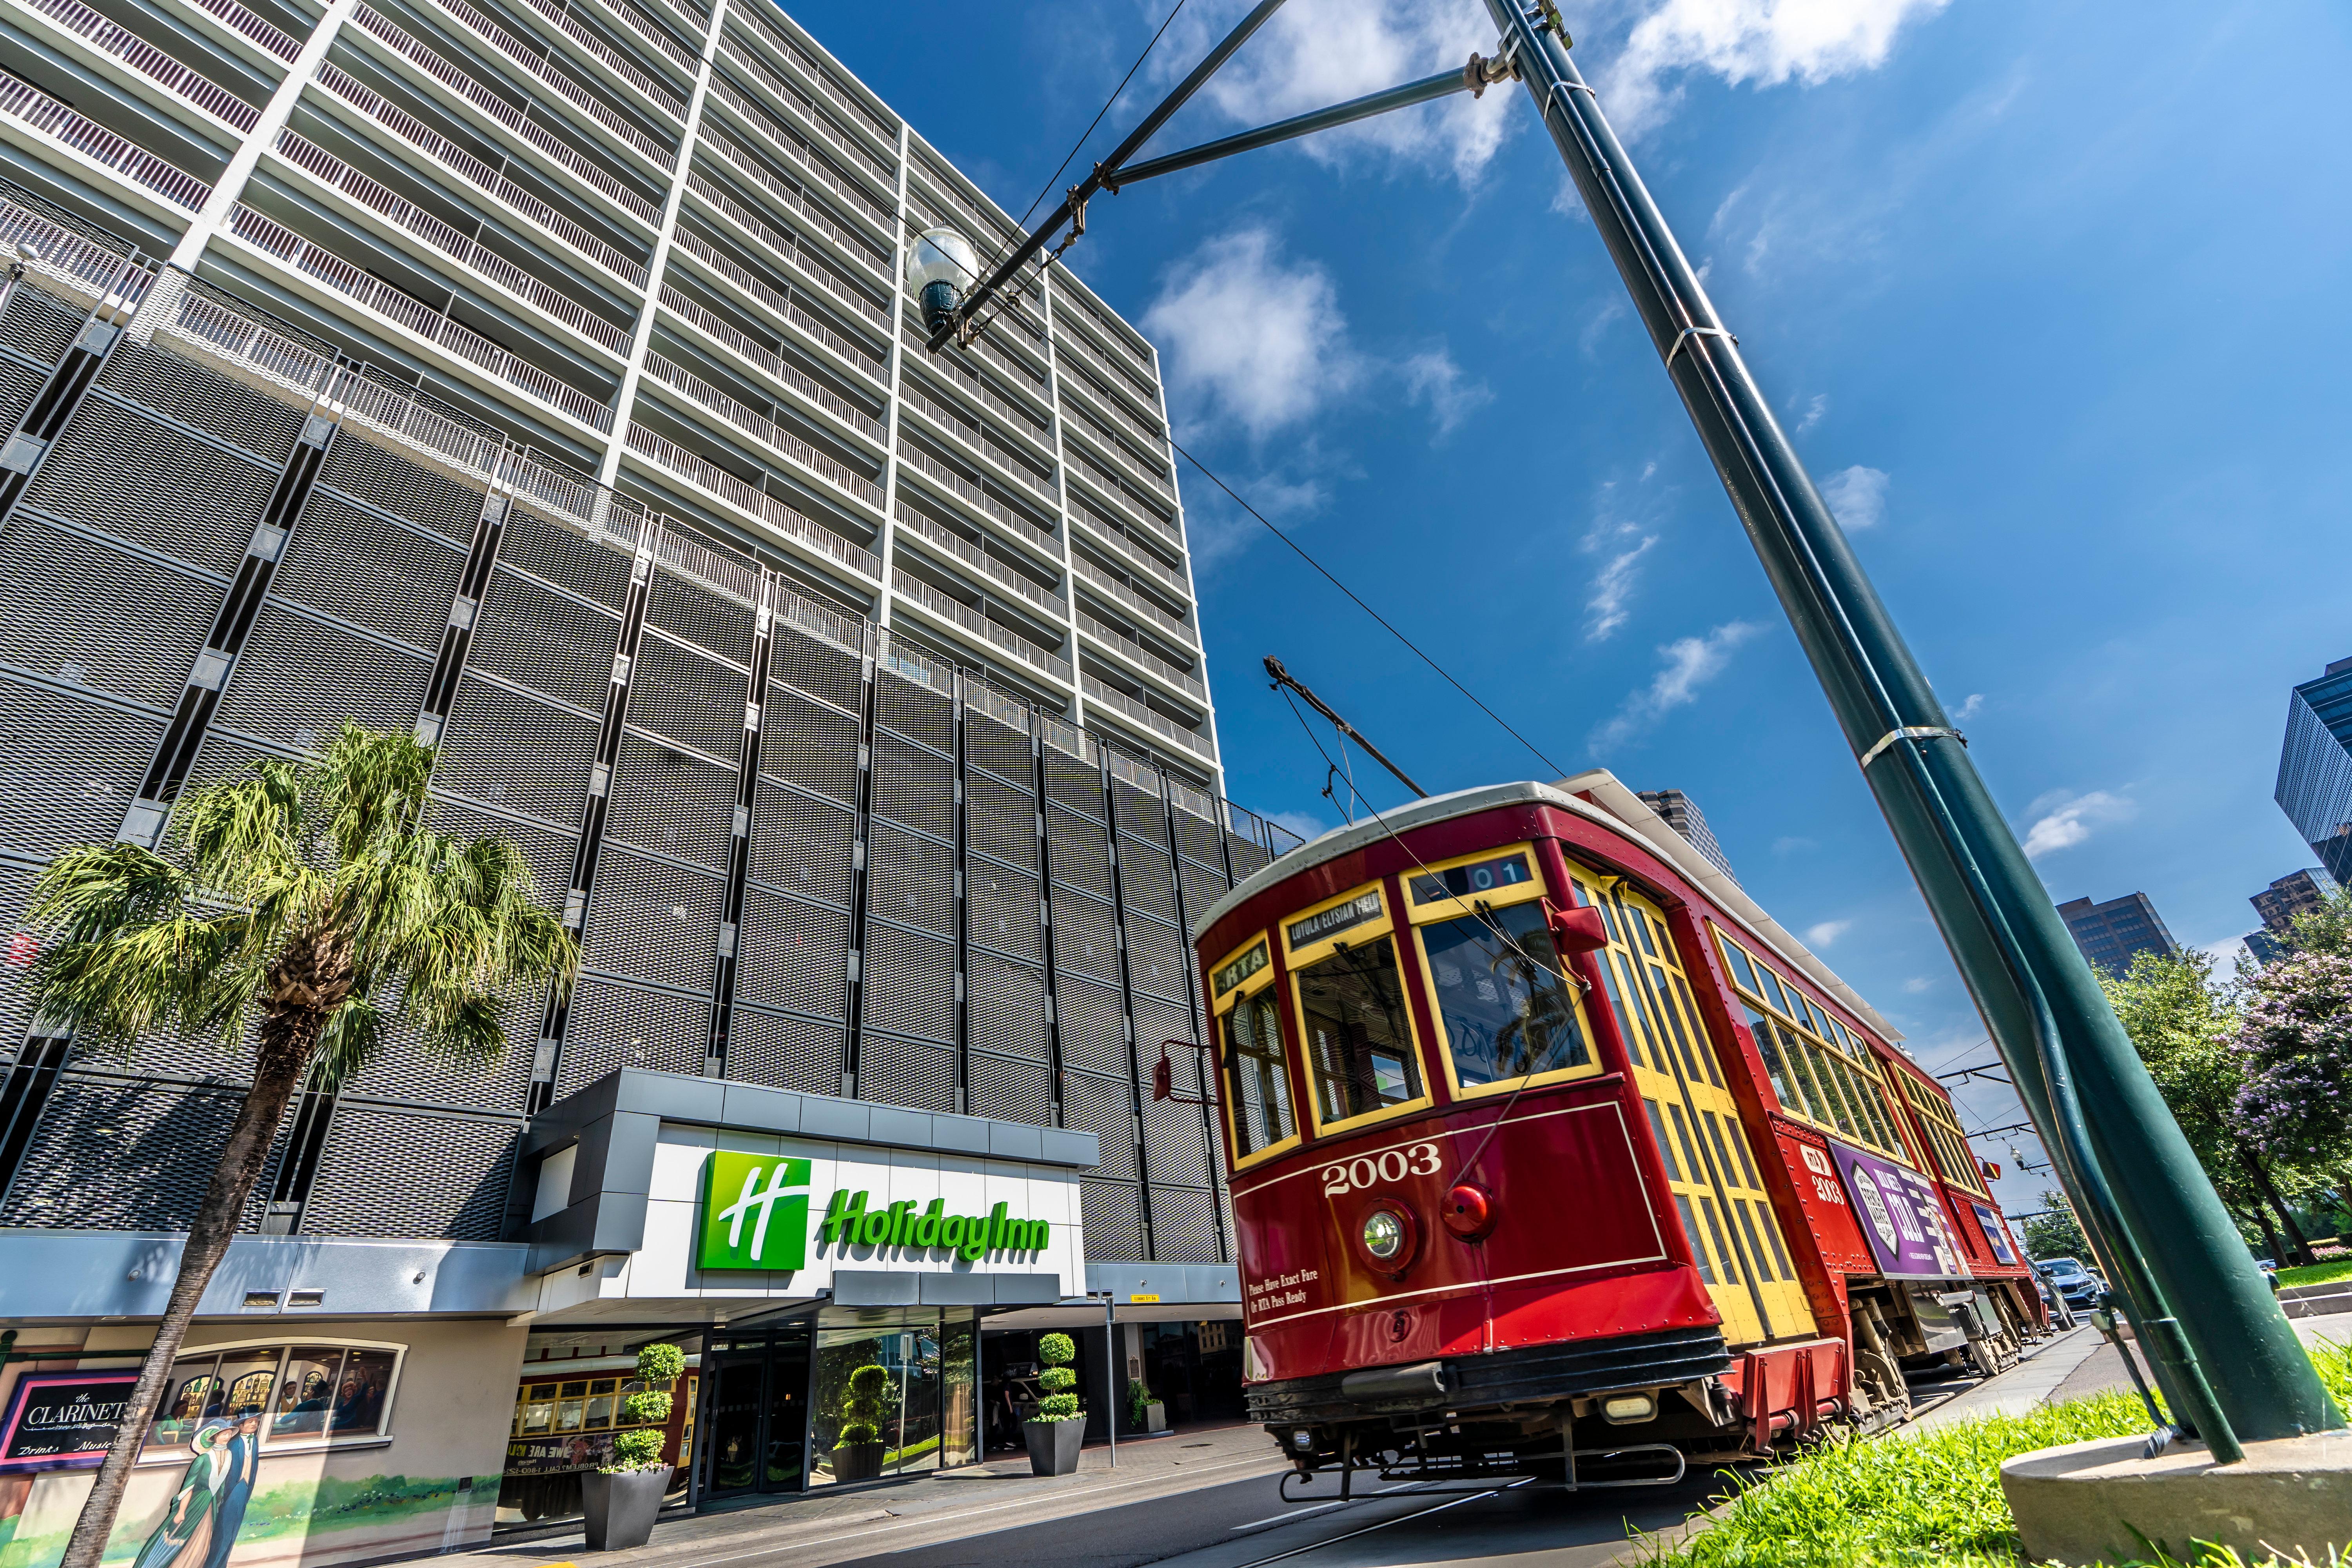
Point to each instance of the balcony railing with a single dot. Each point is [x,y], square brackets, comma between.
[1124,493]
[986,349]
[1118,642]
[506,114]
[852,354]
[1024,420]
[1157,722]
[1095,400]
[544,69]
[1091,318]
[800,257]
[1076,342]
[800,154]
[815,72]
[764,358]
[58,251]
[22,101]
[670,48]
[1133,602]
[456,159]
[1102,444]
[425,322]
[398,210]
[769,511]
[1131,554]
[979,442]
[833,471]
[805,106]
[953,609]
[978,558]
[853,243]
[968,489]
[122,44]
[237,19]
[604,55]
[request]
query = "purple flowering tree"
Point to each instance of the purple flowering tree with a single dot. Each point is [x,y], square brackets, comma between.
[2294,1034]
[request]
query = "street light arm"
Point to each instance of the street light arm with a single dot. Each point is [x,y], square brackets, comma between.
[1429,89]
[1075,203]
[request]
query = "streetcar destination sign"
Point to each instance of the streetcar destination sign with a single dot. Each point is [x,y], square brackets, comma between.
[1338,918]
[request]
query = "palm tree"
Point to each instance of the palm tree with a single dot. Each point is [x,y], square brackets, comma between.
[311,900]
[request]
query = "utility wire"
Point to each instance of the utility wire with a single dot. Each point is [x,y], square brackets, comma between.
[1210,474]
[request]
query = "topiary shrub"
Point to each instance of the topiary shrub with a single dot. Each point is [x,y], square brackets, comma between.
[658,1366]
[1059,1381]
[861,1408]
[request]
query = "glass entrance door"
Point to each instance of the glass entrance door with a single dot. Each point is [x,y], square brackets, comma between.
[757,1416]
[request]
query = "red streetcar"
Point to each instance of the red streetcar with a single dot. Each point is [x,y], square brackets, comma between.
[1551,1153]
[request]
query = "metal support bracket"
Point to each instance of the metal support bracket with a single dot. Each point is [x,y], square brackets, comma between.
[1909,732]
[1687,333]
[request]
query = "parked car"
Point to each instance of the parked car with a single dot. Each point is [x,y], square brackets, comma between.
[2079,1288]
[2269,1266]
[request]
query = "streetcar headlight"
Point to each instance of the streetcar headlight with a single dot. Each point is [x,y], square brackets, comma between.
[1383,1234]
[1626,1409]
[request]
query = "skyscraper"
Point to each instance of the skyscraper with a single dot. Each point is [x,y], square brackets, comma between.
[541,377]
[2315,776]
[2296,893]
[1682,813]
[2111,933]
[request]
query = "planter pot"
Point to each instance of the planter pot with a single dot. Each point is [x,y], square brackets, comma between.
[621,1508]
[858,1461]
[1155,1418]
[1054,1446]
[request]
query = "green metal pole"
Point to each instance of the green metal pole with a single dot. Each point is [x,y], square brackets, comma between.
[2226,1357]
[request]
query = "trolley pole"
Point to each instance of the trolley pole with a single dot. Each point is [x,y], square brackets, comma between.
[2224,1354]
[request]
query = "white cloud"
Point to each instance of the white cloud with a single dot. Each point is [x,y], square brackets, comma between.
[2062,820]
[1857,497]
[1793,846]
[2231,957]
[1916,984]
[1612,586]
[1826,933]
[1249,338]
[1971,706]
[1587,341]
[1317,53]
[1433,378]
[1763,42]
[1689,663]
[1813,412]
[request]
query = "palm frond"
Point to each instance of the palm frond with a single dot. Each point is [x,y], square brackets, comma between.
[352,1035]
[188,973]
[369,789]
[93,888]
[245,829]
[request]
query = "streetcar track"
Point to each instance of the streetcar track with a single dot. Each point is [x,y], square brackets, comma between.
[1384,1525]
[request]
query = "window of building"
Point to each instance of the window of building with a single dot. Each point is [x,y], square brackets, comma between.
[295,1391]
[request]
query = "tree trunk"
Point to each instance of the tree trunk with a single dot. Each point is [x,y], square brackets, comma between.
[289,1038]
[2262,1216]
[2298,1252]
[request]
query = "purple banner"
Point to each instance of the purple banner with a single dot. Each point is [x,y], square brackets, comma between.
[1901,1217]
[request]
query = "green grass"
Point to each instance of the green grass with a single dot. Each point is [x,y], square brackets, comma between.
[1929,1500]
[2316,1273]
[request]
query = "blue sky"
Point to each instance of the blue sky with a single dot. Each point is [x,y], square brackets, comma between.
[2048,296]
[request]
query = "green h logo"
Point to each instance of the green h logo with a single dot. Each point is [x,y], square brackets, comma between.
[748,1219]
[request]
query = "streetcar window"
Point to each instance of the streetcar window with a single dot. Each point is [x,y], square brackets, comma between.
[1659,1045]
[1641,924]
[1808,1101]
[1773,1235]
[1739,966]
[1761,1264]
[1773,993]
[1672,1027]
[1724,1146]
[1715,1225]
[1760,1029]
[1358,1039]
[1617,1006]
[1261,1087]
[1849,1081]
[1691,1152]
[1665,1147]
[1690,1006]
[1504,1010]
[1825,1077]
[1607,913]
[1697,1240]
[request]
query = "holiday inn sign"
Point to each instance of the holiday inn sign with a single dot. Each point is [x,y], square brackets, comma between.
[754,1215]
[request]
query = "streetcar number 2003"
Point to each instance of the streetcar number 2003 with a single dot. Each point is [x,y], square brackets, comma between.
[1390,1166]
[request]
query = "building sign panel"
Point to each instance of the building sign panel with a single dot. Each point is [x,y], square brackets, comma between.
[1997,1234]
[1902,1220]
[754,1212]
[63,1420]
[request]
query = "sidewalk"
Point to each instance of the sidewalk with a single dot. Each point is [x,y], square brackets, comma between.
[1147,1467]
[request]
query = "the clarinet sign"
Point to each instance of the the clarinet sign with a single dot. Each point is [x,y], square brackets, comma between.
[63,1420]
